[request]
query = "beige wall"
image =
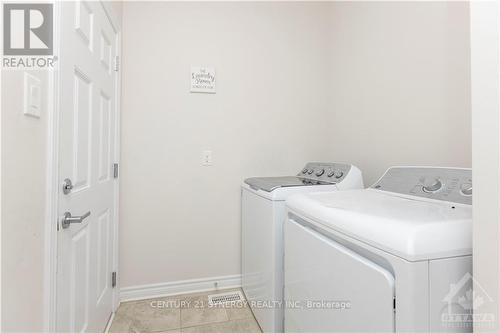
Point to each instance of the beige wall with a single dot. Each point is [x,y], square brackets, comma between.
[400,90]
[376,84]
[180,220]
[24,143]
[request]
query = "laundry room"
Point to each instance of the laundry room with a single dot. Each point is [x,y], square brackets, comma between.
[268,166]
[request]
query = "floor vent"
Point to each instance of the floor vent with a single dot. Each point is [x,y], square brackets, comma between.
[225,298]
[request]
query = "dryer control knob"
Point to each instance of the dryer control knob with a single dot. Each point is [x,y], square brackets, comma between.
[320,172]
[338,174]
[432,185]
[310,171]
[304,171]
[330,173]
[466,189]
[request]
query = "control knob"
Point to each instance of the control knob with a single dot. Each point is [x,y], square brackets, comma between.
[338,174]
[320,172]
[304,171]
[466,189]
[330,173]
[432,185]
[310,171]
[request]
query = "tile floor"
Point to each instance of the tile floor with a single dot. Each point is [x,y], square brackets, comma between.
[183,313]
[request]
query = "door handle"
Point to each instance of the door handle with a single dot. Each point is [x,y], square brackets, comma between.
[68,219]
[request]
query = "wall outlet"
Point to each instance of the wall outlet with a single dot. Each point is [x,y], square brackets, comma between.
[206,158]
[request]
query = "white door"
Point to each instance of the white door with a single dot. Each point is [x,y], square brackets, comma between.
[329,288]
[87,151]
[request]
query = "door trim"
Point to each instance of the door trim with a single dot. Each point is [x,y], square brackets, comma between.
[52,176]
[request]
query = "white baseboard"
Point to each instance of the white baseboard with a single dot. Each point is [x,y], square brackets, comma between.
[179,287]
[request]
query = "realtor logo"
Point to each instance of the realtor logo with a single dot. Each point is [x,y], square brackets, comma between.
[28,29]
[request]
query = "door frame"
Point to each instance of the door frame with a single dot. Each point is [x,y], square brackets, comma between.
[52,176]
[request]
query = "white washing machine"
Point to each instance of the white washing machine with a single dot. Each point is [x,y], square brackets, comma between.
[395,257]
[263,215]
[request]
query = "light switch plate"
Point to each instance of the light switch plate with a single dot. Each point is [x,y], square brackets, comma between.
[32,96]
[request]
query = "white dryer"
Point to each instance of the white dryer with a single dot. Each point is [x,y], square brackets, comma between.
[395,257]
[263,215]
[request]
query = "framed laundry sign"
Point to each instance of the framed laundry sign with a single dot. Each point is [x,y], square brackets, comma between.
[202,79]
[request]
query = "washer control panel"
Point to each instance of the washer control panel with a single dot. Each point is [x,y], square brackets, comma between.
[328,172]
[447,184]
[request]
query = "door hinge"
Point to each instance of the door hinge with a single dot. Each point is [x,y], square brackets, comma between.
[117,63]
[113,279]
[115,170]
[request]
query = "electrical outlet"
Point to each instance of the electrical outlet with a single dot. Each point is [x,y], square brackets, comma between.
[206,158]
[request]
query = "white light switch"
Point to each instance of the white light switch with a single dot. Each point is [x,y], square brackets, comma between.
[32,95]
[206,158]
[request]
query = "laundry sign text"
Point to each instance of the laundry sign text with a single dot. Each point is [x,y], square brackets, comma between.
[202,79]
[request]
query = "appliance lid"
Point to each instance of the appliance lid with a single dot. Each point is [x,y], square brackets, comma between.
[408,227]
[269,184]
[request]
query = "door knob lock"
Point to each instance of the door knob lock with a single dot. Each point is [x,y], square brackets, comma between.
[68,219]
[67,186]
